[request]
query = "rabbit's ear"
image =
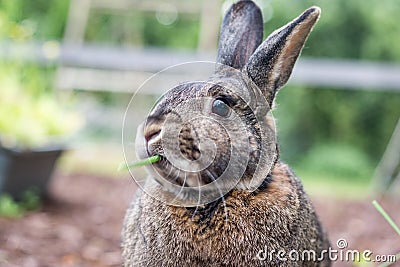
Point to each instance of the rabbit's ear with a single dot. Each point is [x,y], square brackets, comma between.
[271,64]
[241,33]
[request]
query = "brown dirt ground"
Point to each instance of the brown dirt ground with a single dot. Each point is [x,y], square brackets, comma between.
[80,225]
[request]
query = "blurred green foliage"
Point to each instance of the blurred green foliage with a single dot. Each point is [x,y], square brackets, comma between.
[43,19]
[12,208]
[345,131]
[347,29]
[143,29]
[30,115]
[362,120]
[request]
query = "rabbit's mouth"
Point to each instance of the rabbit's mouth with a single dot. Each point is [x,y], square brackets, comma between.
[185,167]
[182,178]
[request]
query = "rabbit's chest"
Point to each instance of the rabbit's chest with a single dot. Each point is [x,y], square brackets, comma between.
[228,233]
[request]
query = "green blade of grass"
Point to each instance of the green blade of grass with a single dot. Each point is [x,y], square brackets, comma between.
[392,223]
[126,166]
[386,216]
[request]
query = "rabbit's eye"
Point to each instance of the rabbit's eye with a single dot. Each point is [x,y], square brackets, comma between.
[220,108]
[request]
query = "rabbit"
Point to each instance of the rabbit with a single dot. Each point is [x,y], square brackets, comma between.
[265,209]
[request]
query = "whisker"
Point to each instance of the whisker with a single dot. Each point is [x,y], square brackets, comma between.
[171,168]
[198,201]
[176,177]
[220,192]
[173,173]
[164,166]
[182,186]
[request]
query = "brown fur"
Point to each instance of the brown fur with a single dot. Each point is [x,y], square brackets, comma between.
[279,216]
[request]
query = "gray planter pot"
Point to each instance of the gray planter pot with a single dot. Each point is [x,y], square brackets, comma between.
[22,170]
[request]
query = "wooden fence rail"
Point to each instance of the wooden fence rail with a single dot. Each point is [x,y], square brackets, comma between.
[124,70]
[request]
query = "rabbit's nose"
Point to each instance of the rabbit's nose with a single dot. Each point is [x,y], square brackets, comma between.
[152,128]
[151,134]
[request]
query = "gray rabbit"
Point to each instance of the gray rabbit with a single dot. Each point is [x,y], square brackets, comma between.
[253,209]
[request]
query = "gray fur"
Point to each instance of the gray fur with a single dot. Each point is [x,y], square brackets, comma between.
[231,230]
[271,64]
[241,33]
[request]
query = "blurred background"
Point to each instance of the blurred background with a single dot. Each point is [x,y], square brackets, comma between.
[68,69]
